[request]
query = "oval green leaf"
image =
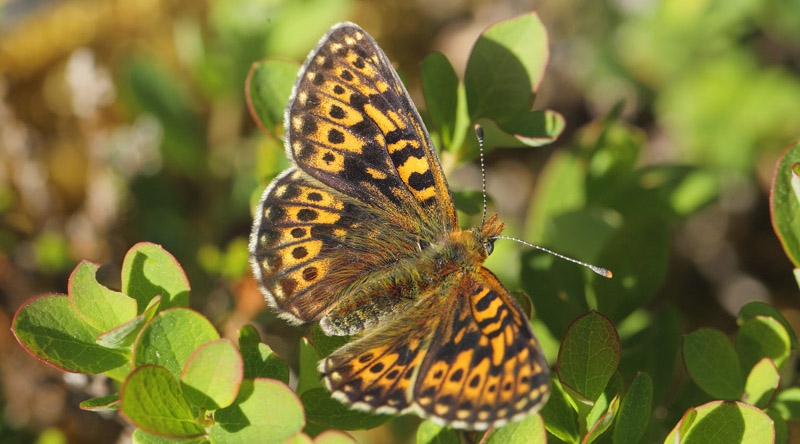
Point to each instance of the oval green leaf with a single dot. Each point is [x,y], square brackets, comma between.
[267,90]
[212,376]
[758,308]
[761,384]
[266,411]
[505,68]
[100,307]
[713,364]
[635,411]
[589,355]
[722,422]
[534,128]
[152,400]
[444,98]
[762,337]
[784,203]
[48,328]
[149,270]
[170,339]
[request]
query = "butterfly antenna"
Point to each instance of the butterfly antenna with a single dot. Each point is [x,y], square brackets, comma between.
[605,272]
[479,133]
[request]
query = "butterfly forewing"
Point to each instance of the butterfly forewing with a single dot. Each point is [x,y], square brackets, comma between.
[351,124]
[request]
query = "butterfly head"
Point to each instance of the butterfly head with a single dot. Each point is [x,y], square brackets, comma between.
[488,232]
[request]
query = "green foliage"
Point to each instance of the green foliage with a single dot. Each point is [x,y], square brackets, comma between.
[616,360]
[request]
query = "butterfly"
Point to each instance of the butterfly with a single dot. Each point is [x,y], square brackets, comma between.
[362,236]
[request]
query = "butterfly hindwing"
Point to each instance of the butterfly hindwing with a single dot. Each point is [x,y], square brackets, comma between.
[484,367]
[319,255]
[466,358]
[376,372]
[351,124]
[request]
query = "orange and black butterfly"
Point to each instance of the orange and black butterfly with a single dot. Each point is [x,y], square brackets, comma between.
[361,235]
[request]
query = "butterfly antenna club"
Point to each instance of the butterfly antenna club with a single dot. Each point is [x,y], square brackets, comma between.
[605,272]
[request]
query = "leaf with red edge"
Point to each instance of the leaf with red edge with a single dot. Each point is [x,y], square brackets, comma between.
[784,202]
[152,400]
[212,376]
[48,328]
[98,306]
[267,90]
[589,355]
[149,270]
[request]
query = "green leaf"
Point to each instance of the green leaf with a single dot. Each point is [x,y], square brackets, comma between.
[300,438]
[589,355]
[761,384]
[334,437]
[266,411]
[560,189]
[762,337]
[468,201]
[601,417]
[259,360]
[787,403]
[123,336]
[323,410]
[325,344]
[654,350]
[720,422]
[784,202]
[534,128]
[528,431]
[635,411]
[713,364]
[267,90]
[445,100]
[638,254]
[142,437]
[98,306]
[212,376]
[758,308]
[151,399]
[149,270]
[309,377]
[49,330]
[560,416]
[430,433]
[781,428]
[108,403]
[505,67]
[170,339]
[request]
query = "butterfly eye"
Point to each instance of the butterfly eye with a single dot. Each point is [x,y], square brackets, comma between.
[422,244]
[489,246]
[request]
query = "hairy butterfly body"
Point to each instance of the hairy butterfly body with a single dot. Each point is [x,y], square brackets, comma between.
[361,235]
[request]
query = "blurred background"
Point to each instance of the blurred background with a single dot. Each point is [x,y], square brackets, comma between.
[125,121]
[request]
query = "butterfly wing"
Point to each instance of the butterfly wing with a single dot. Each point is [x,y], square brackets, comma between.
[351,124]
[316,251]
[466,358]
[367,189]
